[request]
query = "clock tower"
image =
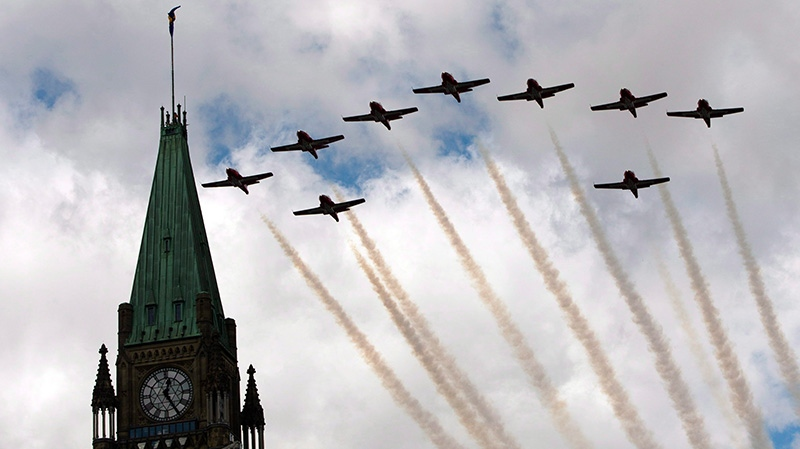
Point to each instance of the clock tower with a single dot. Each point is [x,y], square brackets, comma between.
[177,374]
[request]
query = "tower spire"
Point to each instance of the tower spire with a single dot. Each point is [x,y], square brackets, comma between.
[252,415]
[174,265]
[104,404]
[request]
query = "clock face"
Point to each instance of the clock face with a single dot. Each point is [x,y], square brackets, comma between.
[166,394]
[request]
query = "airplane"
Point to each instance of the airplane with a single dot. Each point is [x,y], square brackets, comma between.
[705,112]
[328,207]
[237,180]
[537,93]
[452,87]
[377,113]
[628,101]
[306,143]
[632,183]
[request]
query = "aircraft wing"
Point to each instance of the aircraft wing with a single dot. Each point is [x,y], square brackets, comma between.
[550,91]
[392,115]
[519,96]
[253,179]
[604,107]
[327,140]
[223,183]
[643,100]
[312,211]
[359,118]
[341,207]
[468,85]
[438,89]
[612,185]
[715,113]
[290,147]
[649,182]
[691,114]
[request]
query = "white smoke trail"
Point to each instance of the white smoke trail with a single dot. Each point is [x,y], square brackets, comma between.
[428,422]
[787,359]
[701,357]
[636,430]
[678,390]
[548,394]
[740,394]
[465,414]
[434,345]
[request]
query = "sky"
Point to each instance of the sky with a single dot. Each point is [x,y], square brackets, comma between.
[81,85]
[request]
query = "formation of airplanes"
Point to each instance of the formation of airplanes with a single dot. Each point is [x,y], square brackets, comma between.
[450,86]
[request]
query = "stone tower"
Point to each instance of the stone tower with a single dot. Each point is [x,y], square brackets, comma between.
[177,375]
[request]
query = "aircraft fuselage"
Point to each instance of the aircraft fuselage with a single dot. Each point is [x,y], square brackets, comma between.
[379,114]
[631,181]
[449,83]
[535,91]
[236,179]
[628,99]
[306,143]
[326,203]
[704,109]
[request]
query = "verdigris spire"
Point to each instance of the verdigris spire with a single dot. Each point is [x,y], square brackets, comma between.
[174,264]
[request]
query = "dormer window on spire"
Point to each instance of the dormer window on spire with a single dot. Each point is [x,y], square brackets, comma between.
[150,309]
[177,309]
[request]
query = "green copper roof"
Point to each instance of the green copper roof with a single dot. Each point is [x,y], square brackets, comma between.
[174,260]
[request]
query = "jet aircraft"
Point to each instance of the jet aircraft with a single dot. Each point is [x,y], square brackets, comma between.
[306,143]
[705,112]
[328,207]
[632,183]
[452,87]
[628,101]
[378,113]
[237,180]
[537,93]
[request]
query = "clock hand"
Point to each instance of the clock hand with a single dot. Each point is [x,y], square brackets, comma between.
[166,394]
[172,403]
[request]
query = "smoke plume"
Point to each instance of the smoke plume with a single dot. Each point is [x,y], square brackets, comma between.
[678,390]
[787,359]
[741,397]
[548,394]
[456,375]
[465,414]
[701,357]
[636,431]
[428,422]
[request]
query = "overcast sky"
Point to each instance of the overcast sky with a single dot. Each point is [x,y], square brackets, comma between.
[81,84]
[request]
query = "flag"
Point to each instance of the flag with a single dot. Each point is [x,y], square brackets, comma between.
[171,17]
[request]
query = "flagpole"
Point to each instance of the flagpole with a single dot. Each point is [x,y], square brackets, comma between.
[171,18]
[172,64]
